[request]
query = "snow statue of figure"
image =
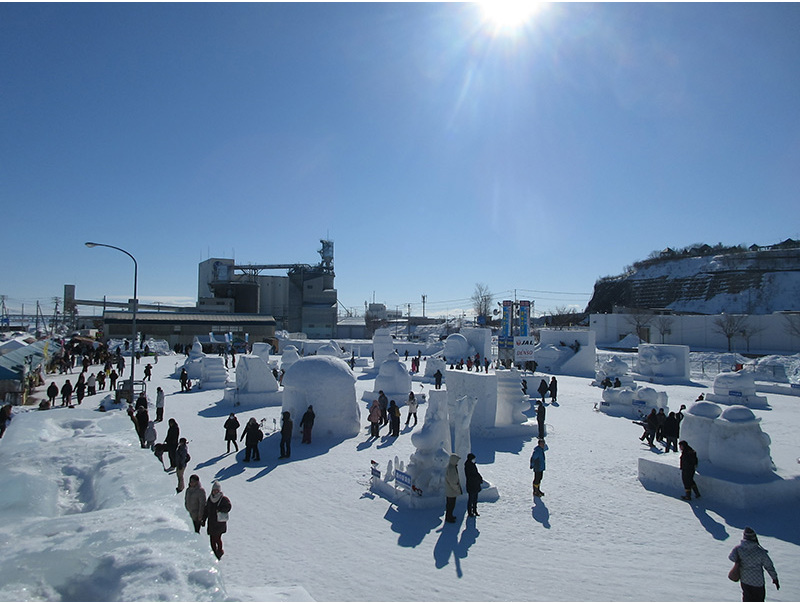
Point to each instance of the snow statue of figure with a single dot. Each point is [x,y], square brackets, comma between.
[253,376]
[737,388]
[193,363]
[382,346]
[393,378]
[289,357]
[614,368]
[737,443]
[213,374]
[456,347]
[696,427]
[460,416]
[329,385]
[429,462]
[330,349]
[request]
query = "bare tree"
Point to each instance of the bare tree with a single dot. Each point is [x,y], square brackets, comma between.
[562,316]
[482,301]
[640,319]
[663,325]
[749,330]
[730,325]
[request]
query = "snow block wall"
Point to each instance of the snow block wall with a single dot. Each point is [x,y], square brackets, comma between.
[737,388]
[213,374]
[664,361]
[328,384]
[500,401]
[565,352]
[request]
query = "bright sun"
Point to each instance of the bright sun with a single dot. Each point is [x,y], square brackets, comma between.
[509,14]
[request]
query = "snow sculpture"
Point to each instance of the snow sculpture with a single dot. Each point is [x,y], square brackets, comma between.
[253,376]
[393,378]
[382,346]
[261,350]
[329,385]
[665,361]
[456,347]
[289,357]
[737,388]
[614,368]
[511,402]
[433,364]
[429,462]
[460,415]
[479,339]
[566,352]
[213,374]
[330,349]
[736,443]
[193,363]
[632,402]
[696,426]
[500,401]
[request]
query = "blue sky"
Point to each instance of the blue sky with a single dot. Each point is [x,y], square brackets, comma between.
[435,151]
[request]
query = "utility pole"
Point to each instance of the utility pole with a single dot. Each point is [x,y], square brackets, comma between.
[424,298]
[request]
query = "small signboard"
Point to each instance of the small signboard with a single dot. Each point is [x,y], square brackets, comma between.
[735,393]
[639,403]
[402,478]
[524,349]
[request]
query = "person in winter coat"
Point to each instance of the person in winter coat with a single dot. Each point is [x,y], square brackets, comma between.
[184,378]
[195,502]
[171,442]
[307,422]
[474,481]
[437,379]
[553,389]
[150,435]
[540,412]
[182,459]
[452,488]
[651,426]
[252,435]
[159,405]
[91,385]
[216,517]
[383,402]
[753,560]
[394,419]
[148,372]
[287,425]
[5,418]
[688,467]
[231,426]
[112,380]
[538,466]
[543,389]
[375,419]
[670,430]
[52,392]
[66,393]
[412,409]
[142,421]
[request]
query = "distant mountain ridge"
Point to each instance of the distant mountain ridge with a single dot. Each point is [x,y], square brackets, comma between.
[758,280]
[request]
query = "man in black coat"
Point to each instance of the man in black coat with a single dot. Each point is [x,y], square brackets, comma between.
[252,435]
[540,411]
[171,442]
[287,425]
[474,481]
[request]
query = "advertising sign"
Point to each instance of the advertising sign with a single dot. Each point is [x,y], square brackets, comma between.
[523,349]
[504,340]
[524,317]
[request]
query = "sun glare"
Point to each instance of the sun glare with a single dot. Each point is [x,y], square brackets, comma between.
[509,15]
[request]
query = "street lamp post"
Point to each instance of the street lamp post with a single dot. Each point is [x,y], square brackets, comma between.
[134,302]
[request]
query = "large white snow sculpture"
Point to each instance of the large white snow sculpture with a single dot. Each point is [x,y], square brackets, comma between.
[736,443]
[696,426]
[289,357]
[632,402]
[460,414]
[213,374]
[382,346]
[664,361]
[614,368]
[566,352]
[262,350]
[328,384]
[330,349]
[428,463]
[193,363]
[254,376]
[393,378]
[500,401]
[456,347]
[737,388]
[479,339]
[433,364]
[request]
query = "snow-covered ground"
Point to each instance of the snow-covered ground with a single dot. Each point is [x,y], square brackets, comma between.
[89,515]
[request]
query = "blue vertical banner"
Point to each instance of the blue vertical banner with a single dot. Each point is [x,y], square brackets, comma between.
[506,340]
[524,317]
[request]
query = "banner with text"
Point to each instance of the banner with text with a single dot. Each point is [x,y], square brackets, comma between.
[523,349]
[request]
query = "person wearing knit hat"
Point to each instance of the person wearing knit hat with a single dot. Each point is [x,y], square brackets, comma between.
[216,515]
[753,560]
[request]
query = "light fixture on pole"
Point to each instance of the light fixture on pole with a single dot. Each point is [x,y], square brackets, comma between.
[134,303]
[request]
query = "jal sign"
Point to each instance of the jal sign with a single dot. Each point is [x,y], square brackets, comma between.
[523,349]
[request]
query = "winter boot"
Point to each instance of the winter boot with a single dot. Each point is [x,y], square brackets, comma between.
[688,495]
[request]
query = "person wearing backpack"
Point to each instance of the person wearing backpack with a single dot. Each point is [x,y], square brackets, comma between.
[252,435]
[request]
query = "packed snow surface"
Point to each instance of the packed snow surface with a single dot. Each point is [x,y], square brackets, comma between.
[89,515]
